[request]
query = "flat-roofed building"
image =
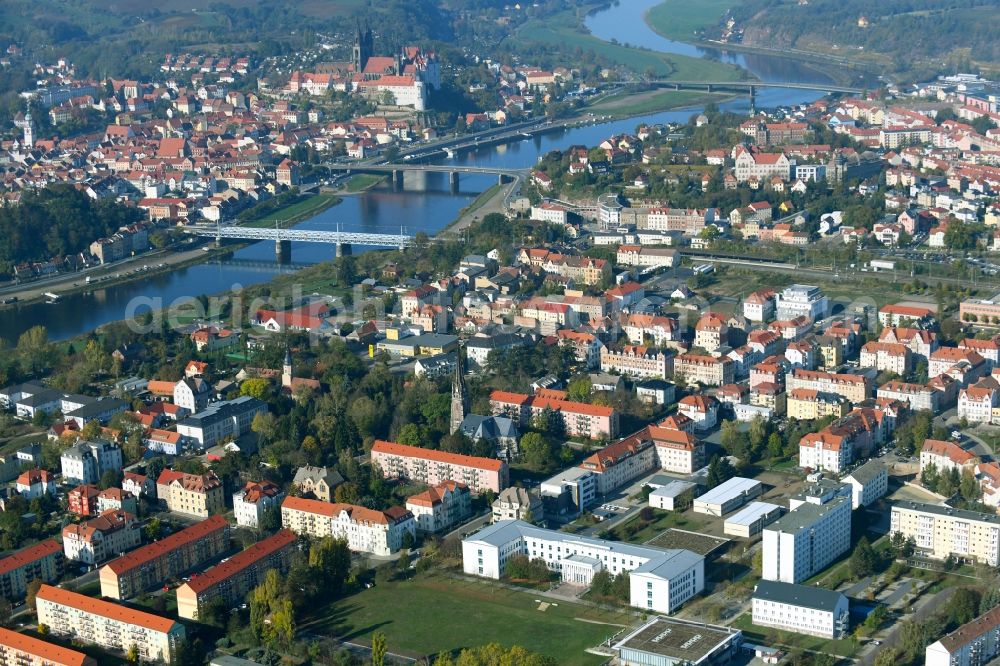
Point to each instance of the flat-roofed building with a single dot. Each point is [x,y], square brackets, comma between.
[728,496]
[801,609]
[660,579]
[400,461]
[23,650]
[663,641]
[108,624]
[43,561]
[366,530]
[752,519]
[976,642]
[232,579]
[869,483]
[941,531]
[152,565]
[674,496]
[807,539]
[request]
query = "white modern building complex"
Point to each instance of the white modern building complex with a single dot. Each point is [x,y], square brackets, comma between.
[660,580]
[728,496]
[801,300]
[221,420]
[802,609]
[807,539]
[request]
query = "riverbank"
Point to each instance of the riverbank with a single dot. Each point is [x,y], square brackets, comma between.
[305,207]
[491,201]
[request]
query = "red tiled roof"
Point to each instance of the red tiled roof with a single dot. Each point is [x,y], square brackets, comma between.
[241,561]
[105,609]
[160,548]
[331,510]
[394,449]
[48,653]
[19,558]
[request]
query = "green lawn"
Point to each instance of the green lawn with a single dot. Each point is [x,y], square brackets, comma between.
[680,19]
[624,104]
[432,614]
[688,520]
[363,181]
[844,647]
[561,32]
[304,208]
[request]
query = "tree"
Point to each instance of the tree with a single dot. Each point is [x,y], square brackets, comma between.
[929,477]
[775,447]
[379,648]
[153,529]
[579,389]
[132,655]
[5,610]
[537,451]
[111,478]
[32,593]
[265,425]
[331,560]
[719,471]
[863,560]
[256,387]
[969,487]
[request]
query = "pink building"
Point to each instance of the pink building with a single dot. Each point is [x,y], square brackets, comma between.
[399,461]
[579,419]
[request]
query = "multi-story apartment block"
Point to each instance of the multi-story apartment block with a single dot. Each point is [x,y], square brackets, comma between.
[941,531]
[801,609]
[807,539]
[642,329]
[945,456]
[254,500]
[917,396]
[399,461]
[903,315]
[920,342]
[886,357]
[840,443]
[192,494]
[976,403]
[660,580]
[233,579]
[711,332]
[695,368]
[976,642]
[807,405]
[618,463]
[85,462]
[759,306]
[34,483]
[108,624]
[761,166]
[152,565]
[43,561]
[516,503]
[440,507]
[578,418]
[869,482]
[855,388]
[963,365]
[98,539]
[676,451]
[988,349]
[637,361]
[221,420]
[366,530]
[24,650]
[112,499]
[801,300]
[82,500]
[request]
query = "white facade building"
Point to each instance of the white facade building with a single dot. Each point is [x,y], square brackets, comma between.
[801,300]
[801,609]
[256,499]
[806,540]
[85,462]
[366,530]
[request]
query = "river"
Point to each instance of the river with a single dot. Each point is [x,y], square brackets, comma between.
[425,202]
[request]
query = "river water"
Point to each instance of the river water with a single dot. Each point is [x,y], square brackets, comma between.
[424,203]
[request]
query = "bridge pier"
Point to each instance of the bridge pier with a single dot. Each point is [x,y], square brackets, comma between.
[344,250]
[753,100]
[283,251]
[709,87]
[397,177]
[501,179]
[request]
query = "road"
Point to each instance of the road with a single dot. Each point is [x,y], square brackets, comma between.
[926,608]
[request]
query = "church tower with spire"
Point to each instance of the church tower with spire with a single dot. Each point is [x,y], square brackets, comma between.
[459,397]
[286,369]
[29,132]
[364,48]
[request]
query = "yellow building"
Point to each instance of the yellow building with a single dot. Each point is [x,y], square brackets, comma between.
[807,404]
[940,531]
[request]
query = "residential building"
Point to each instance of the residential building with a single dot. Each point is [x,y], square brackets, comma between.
[728,496]
[192,393]
[660,580]
[945,456]
[886,357]
[855,388]
[432,467]
[35,483]
[231,580]
[440,507]
[86,462]
[801,300]
[82,500]
[965,366]
[676,451]
[806,540]
[703,410]
[637,361]
[149,567]
[869,483]
[517,503]
[24,650]
[255,500]
[43,561]
[801,609]
[711,332]
[578,418]
[707,370]
[808,405]
[108,624]
[192,494]
[917,396]
[366,530]
[318,481]
[759,306]
[644,329]
[974,643]
[620,462]
[113,499]
[227,419]
[941,531]
[108,535]
[976,403]
[906,315]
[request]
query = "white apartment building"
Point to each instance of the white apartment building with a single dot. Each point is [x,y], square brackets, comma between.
[801,609]
[256,499]
[917,396]
[366,530]
[945,456]
[660,580]
[759,306]
[940,531]
[801,300]
[440,507]
[108,624]
[976,403]
[221,420]
[974,643]
[869,483]
[110,534]
[886,357]
[85,462]
[807,539]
